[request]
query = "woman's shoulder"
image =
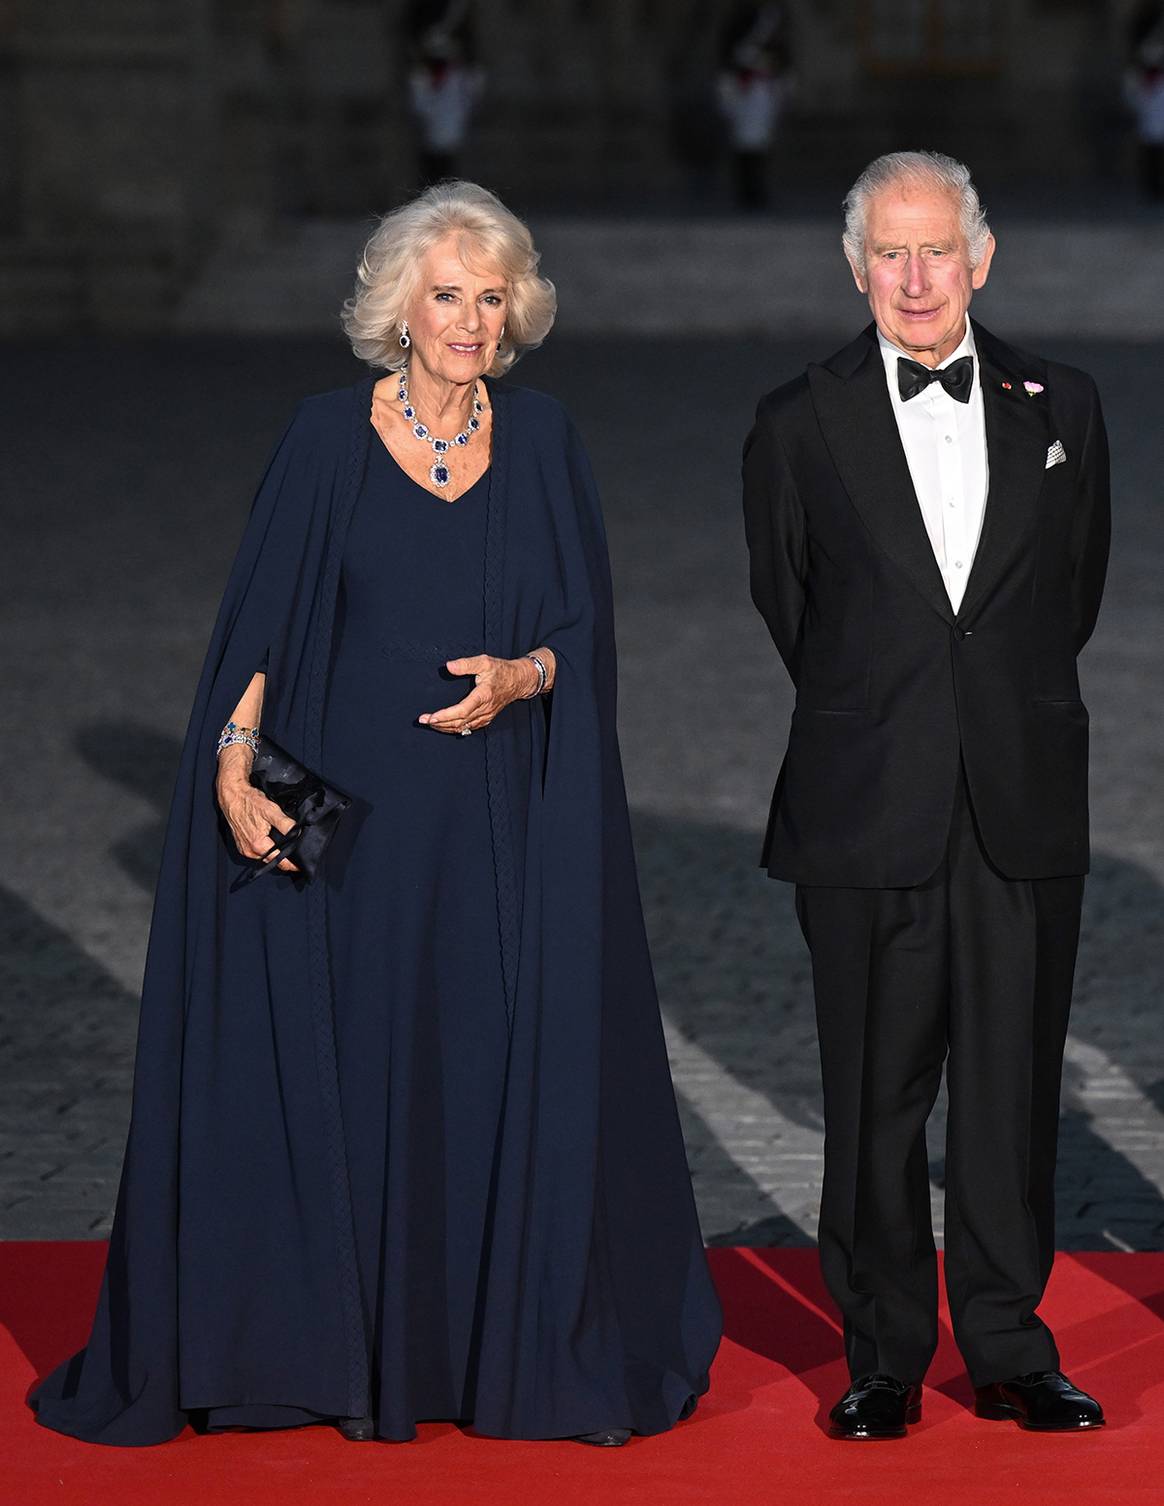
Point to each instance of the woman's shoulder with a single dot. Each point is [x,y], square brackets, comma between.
[547,431]
[529,405]
[320,427]
[324,412]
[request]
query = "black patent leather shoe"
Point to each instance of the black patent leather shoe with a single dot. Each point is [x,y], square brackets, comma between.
[606,1438]
[1043,1402]
[357,1429]
[876,1406]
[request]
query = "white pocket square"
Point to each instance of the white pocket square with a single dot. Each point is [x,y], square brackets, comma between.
[1056,454]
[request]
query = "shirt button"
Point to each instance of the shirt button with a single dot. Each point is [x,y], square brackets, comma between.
[957,564]
[949,439]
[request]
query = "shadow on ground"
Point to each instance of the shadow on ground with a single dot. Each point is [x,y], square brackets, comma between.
[733,977]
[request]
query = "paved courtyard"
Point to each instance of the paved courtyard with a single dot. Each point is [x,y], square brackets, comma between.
[128,468]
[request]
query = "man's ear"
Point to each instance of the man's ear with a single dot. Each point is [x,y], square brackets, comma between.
[861,280]
[982,271]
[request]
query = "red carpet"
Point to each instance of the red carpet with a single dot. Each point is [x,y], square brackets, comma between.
[757,1437]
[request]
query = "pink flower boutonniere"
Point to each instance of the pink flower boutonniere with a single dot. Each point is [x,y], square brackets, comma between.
[1033,387]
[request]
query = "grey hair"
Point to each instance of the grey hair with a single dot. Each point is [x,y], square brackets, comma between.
[920,169]
[488,235]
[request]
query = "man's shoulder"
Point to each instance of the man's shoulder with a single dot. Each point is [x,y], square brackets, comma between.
[1057,378]
[792,400]
[789,400]
[1072,381]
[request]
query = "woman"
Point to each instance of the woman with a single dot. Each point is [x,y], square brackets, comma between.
[404,1145]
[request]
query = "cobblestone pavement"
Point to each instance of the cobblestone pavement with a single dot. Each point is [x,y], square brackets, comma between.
[128,470]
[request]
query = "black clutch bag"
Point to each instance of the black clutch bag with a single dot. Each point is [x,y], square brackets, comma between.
[313,805]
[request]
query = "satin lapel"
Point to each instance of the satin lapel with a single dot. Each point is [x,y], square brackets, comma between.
[1017,436]
[856,419]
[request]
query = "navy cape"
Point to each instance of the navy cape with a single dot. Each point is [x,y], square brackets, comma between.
[231,1278]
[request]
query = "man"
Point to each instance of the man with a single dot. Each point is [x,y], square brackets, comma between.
[928,521]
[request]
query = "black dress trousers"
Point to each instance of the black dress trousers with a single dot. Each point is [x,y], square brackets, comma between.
[976,968]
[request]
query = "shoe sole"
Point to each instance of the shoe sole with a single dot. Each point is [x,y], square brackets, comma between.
[998,1412]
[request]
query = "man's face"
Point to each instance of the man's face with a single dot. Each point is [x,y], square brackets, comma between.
[918,277]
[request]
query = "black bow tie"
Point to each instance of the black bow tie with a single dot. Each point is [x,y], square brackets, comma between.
[957,378]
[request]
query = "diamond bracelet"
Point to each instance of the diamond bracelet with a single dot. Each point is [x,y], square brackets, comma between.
[543,677]
[232,733]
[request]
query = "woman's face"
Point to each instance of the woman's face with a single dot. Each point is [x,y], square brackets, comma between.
[456,316]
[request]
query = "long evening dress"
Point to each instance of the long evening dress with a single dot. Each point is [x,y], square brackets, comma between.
[404,1142]
[416,970]
[420,1002]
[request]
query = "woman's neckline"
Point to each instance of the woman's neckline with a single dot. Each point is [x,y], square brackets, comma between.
[420,486]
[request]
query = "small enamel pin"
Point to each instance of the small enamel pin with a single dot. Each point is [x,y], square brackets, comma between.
[1006,386]
[1033,387]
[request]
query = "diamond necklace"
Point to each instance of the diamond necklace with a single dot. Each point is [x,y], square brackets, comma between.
[439,473]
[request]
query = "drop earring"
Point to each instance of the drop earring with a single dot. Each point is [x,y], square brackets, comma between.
[405,337]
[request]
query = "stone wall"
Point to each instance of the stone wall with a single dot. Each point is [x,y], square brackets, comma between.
[108,198]
[142,133]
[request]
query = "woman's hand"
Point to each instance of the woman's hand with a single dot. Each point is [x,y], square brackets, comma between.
[249,814]
[499,683]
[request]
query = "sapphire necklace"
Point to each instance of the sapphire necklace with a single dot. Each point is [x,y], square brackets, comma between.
[439,473]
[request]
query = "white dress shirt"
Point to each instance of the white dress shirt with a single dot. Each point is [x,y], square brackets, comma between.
[945,447]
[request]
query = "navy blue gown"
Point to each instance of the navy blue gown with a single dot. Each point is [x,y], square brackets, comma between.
[404,1142]
[419,998]
[418,992]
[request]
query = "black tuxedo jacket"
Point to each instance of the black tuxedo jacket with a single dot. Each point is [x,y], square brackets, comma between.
[894,691]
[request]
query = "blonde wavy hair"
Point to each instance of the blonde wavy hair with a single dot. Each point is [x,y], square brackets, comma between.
[488,236]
